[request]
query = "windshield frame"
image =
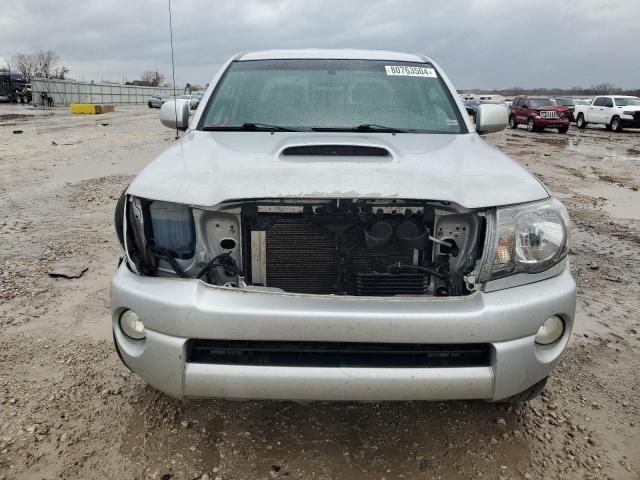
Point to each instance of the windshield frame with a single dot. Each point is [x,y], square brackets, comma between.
[464,129]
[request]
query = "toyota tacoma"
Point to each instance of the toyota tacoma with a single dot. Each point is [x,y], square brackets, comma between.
[331,226]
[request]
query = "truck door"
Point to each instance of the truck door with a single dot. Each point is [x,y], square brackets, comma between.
[596,110]
[606,111]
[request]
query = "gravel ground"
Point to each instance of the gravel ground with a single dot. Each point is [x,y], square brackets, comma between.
[69,409]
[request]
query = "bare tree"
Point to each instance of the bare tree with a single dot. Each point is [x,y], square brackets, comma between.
[24,63]
[602,88]
[152,79]
[45,62]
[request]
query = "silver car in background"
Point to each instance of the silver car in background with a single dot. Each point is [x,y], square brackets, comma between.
[156,101]
[331,226]
[192,100]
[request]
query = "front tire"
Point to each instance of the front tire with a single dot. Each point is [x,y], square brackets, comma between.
[531,126]
[563,129]
[150,106]
[616,124]
[580,122]
[512,122]
[115,344]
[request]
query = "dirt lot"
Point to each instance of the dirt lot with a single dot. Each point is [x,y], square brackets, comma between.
[69,409]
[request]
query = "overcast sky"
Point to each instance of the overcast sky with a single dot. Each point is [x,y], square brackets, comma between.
[483,44]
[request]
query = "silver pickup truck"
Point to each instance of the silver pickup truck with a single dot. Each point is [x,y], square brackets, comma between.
[331,226]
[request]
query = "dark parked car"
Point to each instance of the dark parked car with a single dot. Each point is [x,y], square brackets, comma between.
[570,103]
[471,106]
[538,113]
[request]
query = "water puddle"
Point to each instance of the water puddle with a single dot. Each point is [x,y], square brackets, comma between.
[620,202]
[603,150]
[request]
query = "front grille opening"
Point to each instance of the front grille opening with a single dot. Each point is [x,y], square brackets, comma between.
[359,247]
[336,354]
[549,114]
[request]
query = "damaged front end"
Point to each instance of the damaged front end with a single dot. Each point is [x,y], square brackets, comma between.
[355,247]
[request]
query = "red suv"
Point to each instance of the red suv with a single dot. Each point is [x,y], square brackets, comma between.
[538,113]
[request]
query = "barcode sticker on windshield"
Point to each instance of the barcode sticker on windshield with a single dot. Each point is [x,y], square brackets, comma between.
[410,71]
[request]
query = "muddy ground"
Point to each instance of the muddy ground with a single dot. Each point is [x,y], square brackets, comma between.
[69,409]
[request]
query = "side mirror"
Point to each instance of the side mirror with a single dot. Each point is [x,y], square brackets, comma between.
[491,118]
[174,114]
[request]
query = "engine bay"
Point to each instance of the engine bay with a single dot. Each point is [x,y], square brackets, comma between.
[355,247]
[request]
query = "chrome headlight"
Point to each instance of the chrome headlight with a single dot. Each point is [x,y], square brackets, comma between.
[528,238]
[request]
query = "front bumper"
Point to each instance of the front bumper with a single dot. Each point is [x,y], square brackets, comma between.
[551,122]
[629,122]
[175,310]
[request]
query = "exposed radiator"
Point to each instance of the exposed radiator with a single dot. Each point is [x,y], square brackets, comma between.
[302,258]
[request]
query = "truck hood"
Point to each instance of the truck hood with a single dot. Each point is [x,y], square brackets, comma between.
[630,108]
[208,168]
[552,108]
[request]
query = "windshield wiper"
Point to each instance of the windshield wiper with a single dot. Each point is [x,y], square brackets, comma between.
[266,126]
[252,126]
[367,127]
[364,127]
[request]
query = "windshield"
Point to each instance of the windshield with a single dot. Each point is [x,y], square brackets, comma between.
[541,102]
[565,101]
[333,95]
[624,101]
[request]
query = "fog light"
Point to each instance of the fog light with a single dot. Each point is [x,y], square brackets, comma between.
[131,325]
[550,331]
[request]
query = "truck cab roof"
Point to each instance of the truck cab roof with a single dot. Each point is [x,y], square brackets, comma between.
[318,53]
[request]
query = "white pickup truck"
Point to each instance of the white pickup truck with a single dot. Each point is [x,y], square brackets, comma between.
[613,111]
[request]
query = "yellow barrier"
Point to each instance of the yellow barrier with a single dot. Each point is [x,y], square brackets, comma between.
[91,108]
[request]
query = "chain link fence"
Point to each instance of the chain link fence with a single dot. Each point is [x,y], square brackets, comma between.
[66,92]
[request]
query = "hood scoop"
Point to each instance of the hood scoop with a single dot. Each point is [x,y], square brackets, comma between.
[335,151]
